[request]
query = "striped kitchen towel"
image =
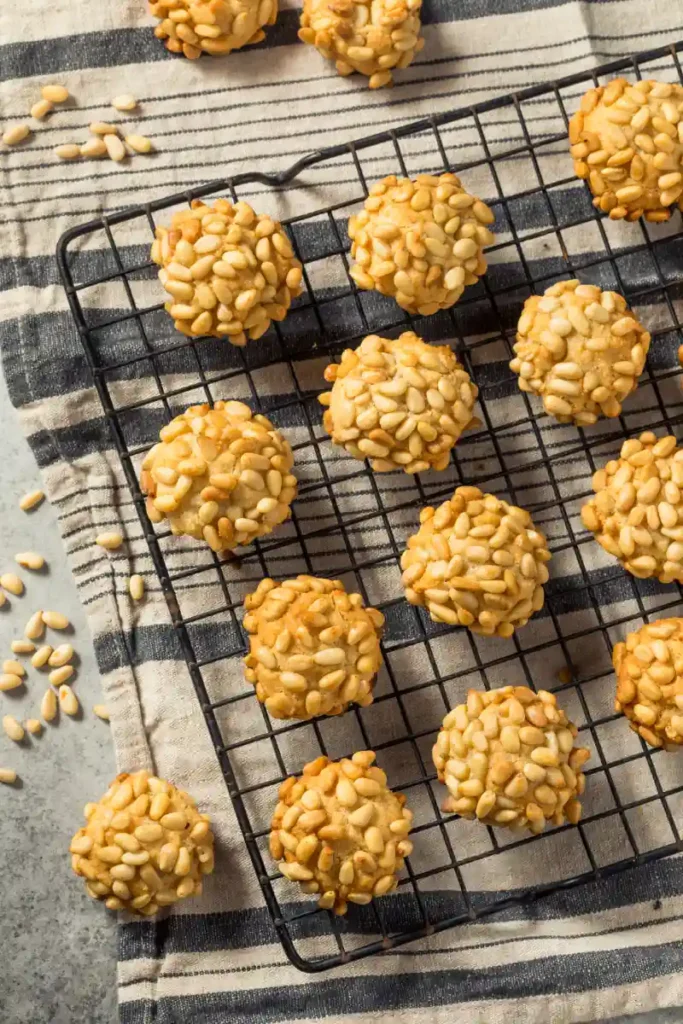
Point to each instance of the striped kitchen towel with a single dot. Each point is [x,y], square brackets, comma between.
[606,949]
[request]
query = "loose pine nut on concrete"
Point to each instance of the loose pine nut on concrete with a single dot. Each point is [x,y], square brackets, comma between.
[14,729]
[102,711]
[30,560]
[60,675]
[61,655]
[55,620]
[30,500]
[23,647]
[42,656]
[8,776]
[10,581]
[14,667]
[33,726]
[68,701]
[48,705]
[10,681]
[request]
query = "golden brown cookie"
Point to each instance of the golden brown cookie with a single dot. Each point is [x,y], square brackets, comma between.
[627,142]
[581,349]
[313,648]
[341,832]
[230,271]
[371,37]
[193,27]
[637,512]
[401,404]
[478,562]
[145,845]
[220,474]
[508,758]
[649,668]
[420,241]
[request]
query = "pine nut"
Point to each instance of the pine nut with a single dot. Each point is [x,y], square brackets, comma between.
[30,560]
[124,102]
[30,500]
[3,598]
[48,705]
[60,675]
[8,776]
[41,109]
[68,151]
[13,667]
[23,647]
[15,134]
[10,581]
[102,711]
[136,587]
[68,701]
[115,148]
[42,656]
[35,627]
[33,726]
[61,656]
[55,620]
[139,143]
[93,148]
[10,681]
[55,93]
[111,540]
[13,729]
[103,128]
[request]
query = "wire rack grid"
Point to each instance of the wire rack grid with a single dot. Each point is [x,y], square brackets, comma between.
[350,523]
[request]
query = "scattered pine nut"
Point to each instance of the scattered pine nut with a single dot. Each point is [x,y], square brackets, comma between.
[68,701]
[33,726]
[565,675]
[55,93]
[115,148]
[30,560]
[8,776]
[93,147]
[48,705]
[23,647]
[125,102]
[136,587]
[139,143]
[102,711]
[13,667]
[35,627]
[11,582]
[14,730]
[41,109]
[42,656]
[110,540]
[60,675]
[103,128]
[61,655]
[30,500]
[15,133]
[55,620]
[9,681]
[68,151]
[3,598]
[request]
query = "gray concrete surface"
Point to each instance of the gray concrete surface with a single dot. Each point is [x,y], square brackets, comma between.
[58,947]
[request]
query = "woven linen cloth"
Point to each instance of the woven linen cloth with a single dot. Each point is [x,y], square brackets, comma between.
[601,950]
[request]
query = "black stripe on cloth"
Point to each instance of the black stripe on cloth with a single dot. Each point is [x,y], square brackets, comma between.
[369,993]
[139,45]
[239,929]
[219,637]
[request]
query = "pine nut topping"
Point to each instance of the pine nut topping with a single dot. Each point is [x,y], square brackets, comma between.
[649,682]
[190,33]
[30,500]
[110,540]
[55,620]
[136,587]
[68,151]
[8,776]
[102,711]
[13,729]
[60,675]
[55,93]
[30,560]
[10,582]
[15,134]
[349,847]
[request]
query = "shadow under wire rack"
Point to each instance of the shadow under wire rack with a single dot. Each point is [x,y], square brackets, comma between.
[352,524]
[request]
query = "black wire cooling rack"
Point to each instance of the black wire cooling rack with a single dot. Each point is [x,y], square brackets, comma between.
[348,522]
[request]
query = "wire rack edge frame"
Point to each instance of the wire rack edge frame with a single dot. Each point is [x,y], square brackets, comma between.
[276,180]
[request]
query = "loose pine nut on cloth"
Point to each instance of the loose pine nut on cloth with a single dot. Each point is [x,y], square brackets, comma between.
[610,949]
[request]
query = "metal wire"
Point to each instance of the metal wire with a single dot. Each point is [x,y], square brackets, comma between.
[518,449]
